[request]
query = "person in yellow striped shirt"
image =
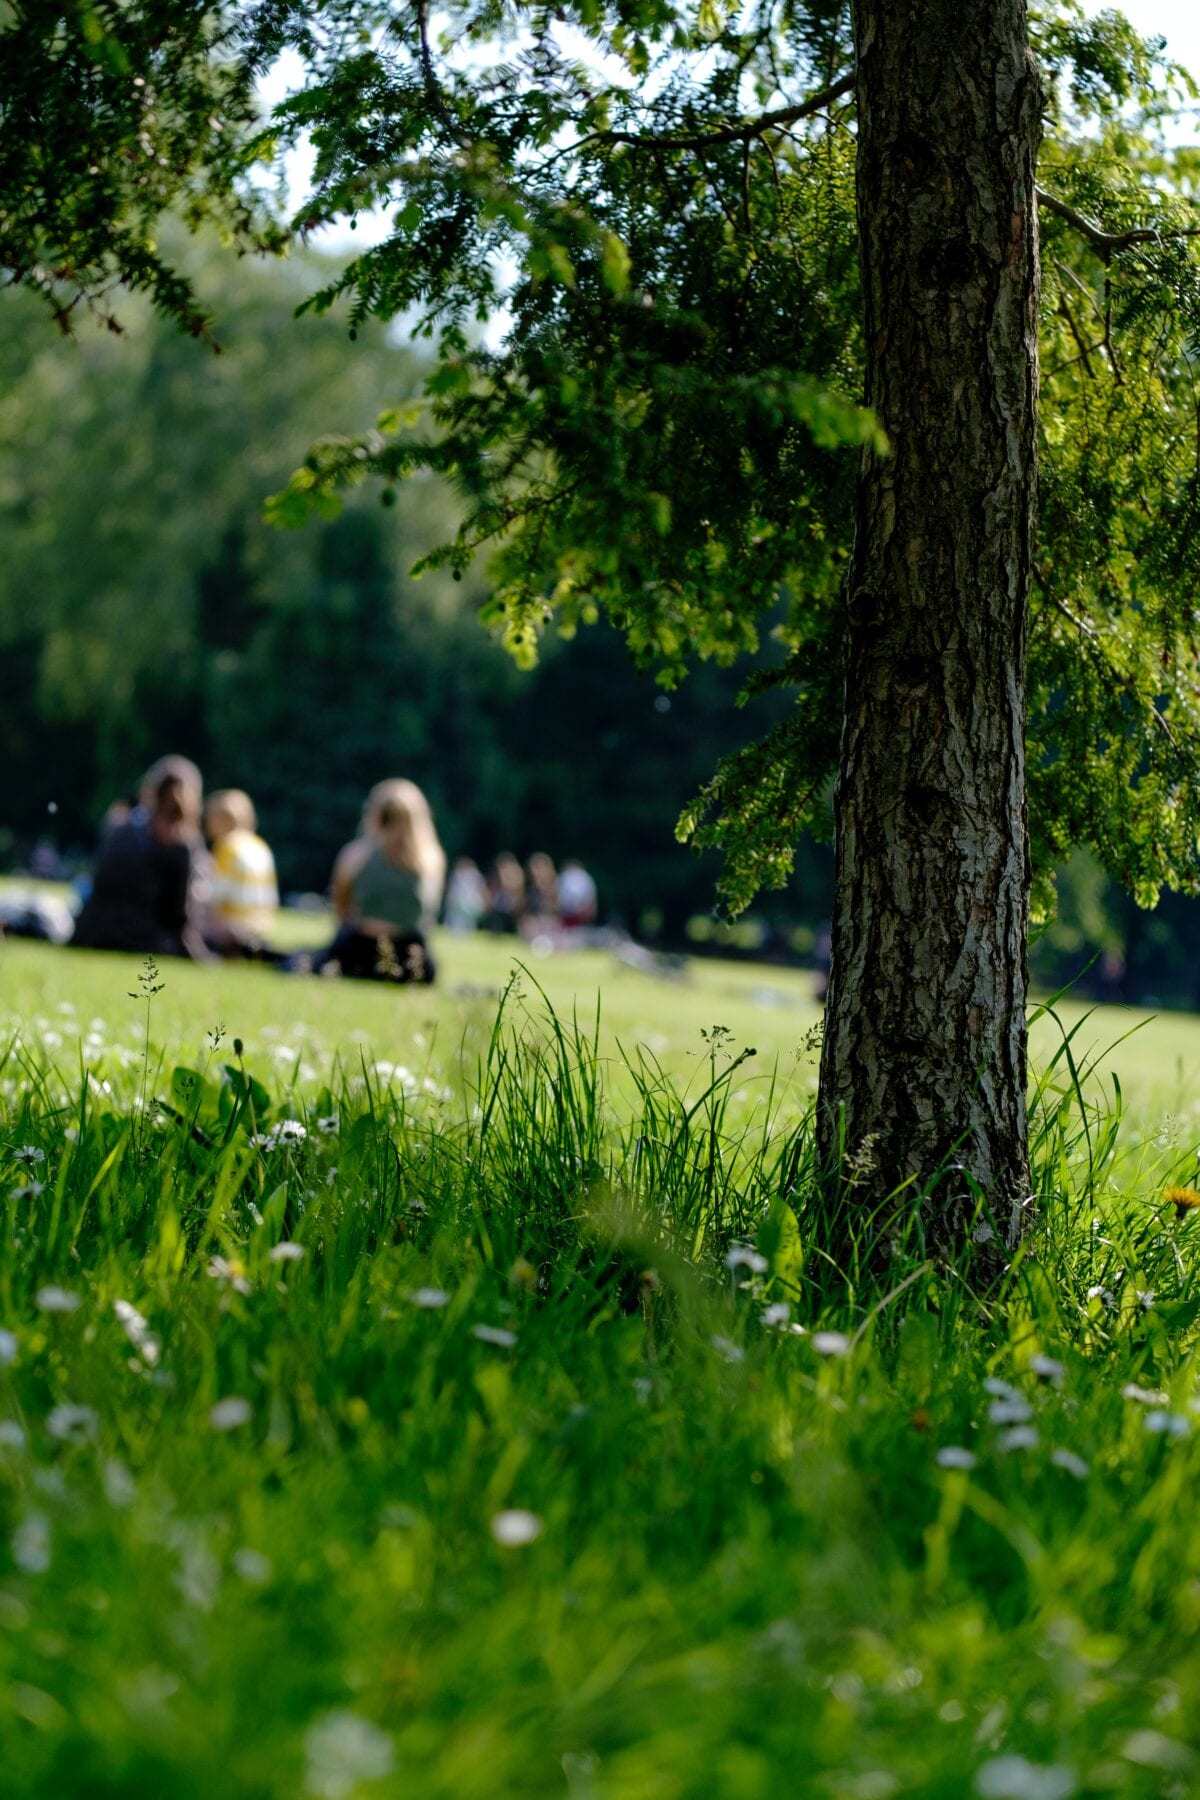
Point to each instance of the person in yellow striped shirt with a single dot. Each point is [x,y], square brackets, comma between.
[244,894]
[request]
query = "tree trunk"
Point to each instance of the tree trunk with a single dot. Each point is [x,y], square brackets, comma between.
[923,1065]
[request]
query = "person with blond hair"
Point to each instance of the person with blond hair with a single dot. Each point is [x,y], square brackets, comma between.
[387,888]
[243,895]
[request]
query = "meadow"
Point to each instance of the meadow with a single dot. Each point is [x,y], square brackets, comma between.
[444,1394]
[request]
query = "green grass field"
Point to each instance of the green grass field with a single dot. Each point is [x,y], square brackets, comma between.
[411,1404]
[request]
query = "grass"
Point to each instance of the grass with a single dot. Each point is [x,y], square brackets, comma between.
[418,1402]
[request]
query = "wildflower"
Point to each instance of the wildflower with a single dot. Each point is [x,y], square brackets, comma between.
[1167,1424]
[69,1424]
[56,1300]
[778,1313]
[286,1251]
[1105,1295]
[344,1753]
[31,1544]
[28,1190]
[830,1343]
[228,1414]
[1021,1437]
[8,1348]
[1074,1465]
[516,1527]
[1002,1390]
[429,1297]
[1183,1199]
[1015,1778]
[138,1332]
[725,1347]
[741,1256]
[494,1334]
[29,1155]
[954,1456]
[1143,1396]
[329,1126]
[1010,1412]
[253,1567]
[1046,1368]
[288,1133]
[11,1435]
[230,1273]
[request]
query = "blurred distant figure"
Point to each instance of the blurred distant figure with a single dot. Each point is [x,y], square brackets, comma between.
[506,893]
[541,895]
[243,896]
[466,896]
[143,889]
[577,899]
[387,888]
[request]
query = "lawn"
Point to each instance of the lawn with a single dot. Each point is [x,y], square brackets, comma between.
[398,1402]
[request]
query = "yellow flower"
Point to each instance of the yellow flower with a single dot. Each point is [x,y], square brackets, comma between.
[1182,1199]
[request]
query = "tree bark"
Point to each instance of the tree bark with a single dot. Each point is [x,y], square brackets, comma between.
[923,1063]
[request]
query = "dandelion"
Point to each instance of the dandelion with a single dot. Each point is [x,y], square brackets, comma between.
[1073,1465]
[830,1343]
[494,1334]
[1183,1199]
[286,1251]
[955,1456]
[138,1332]
[515,1527]
[56,1300]
[228,1414]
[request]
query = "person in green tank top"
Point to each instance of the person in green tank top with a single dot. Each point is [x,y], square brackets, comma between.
[386,888]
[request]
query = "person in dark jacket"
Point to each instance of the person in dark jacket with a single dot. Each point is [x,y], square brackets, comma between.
[142,885]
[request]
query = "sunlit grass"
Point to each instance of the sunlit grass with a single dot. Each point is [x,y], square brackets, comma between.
[397,1399]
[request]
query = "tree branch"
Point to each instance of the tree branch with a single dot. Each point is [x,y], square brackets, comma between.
[1106,243]
[731,134]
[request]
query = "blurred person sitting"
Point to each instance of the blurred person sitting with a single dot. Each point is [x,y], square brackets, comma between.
[143,890]
[541,893]
[506,894]
[577,899]
[387,888]
[243,895]
[466,897]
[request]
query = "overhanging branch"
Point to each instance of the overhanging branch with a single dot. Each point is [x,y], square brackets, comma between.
[743,132]
[1106,243]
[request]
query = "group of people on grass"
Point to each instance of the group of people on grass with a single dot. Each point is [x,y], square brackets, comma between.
[178,875]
